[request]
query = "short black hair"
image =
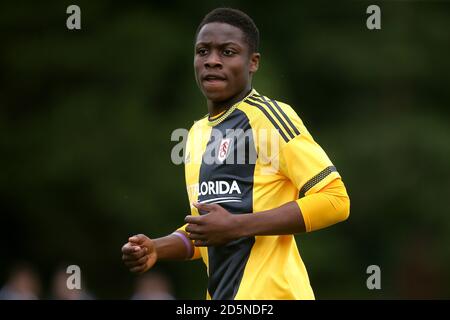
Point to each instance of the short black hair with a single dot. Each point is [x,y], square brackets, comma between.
[236,18]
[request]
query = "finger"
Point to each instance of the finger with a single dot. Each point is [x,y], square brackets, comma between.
[204,206]
[136,254]
[197,236]
[129,248]
[194,219]
[140,253]
[126,257]
[194,228]
[134,257]
[137,239]
[138,269]
[135,263]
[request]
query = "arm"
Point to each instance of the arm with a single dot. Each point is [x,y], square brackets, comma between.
[286,219]
[315,211]
[173,247]
[312,212]
[140,253]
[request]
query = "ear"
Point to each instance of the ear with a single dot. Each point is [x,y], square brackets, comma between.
[254,62]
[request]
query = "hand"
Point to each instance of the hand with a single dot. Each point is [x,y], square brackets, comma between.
[139,253]
[216,227]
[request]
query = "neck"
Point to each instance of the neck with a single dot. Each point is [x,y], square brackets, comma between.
[214,108]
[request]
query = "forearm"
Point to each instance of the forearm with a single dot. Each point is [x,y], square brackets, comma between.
[286,219]
[172,247]
[312,212]
[326,207]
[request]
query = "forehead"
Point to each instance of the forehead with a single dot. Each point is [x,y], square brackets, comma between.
[218,32]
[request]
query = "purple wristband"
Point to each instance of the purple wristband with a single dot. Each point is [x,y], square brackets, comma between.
[187,243]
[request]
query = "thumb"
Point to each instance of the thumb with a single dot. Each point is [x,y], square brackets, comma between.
[137,239]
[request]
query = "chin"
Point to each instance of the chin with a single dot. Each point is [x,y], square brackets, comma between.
[216,96]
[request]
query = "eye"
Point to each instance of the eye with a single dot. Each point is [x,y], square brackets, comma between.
[202,51]
[228,52]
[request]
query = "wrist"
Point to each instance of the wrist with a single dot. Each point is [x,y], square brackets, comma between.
[157,247]
[187,243]
[242,225]
[171,247]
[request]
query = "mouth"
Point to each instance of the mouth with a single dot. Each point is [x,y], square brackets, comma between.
[212,78]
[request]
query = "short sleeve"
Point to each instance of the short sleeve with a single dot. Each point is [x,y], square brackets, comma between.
[305,163]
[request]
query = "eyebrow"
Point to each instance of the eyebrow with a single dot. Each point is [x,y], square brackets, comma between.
[222,44]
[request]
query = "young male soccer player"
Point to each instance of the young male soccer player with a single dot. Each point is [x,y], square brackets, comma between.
[244,213]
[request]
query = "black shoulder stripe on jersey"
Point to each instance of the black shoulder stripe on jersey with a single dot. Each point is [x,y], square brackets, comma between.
[288,120]
[286,117]
[268,117]
[260,101]
[316,179]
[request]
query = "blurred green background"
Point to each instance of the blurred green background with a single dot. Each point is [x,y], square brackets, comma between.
[86,118]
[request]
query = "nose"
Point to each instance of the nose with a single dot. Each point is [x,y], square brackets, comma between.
[213,60]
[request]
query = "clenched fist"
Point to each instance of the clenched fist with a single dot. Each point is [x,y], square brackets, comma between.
[139,253]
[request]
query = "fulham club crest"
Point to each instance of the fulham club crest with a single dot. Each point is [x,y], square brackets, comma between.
[224,147]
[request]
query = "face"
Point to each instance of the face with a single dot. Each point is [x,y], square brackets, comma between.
[223,63]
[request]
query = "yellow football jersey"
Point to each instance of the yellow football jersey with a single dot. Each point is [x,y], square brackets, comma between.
[256,156]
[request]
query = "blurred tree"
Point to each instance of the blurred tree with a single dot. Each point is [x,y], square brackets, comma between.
[86,118]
